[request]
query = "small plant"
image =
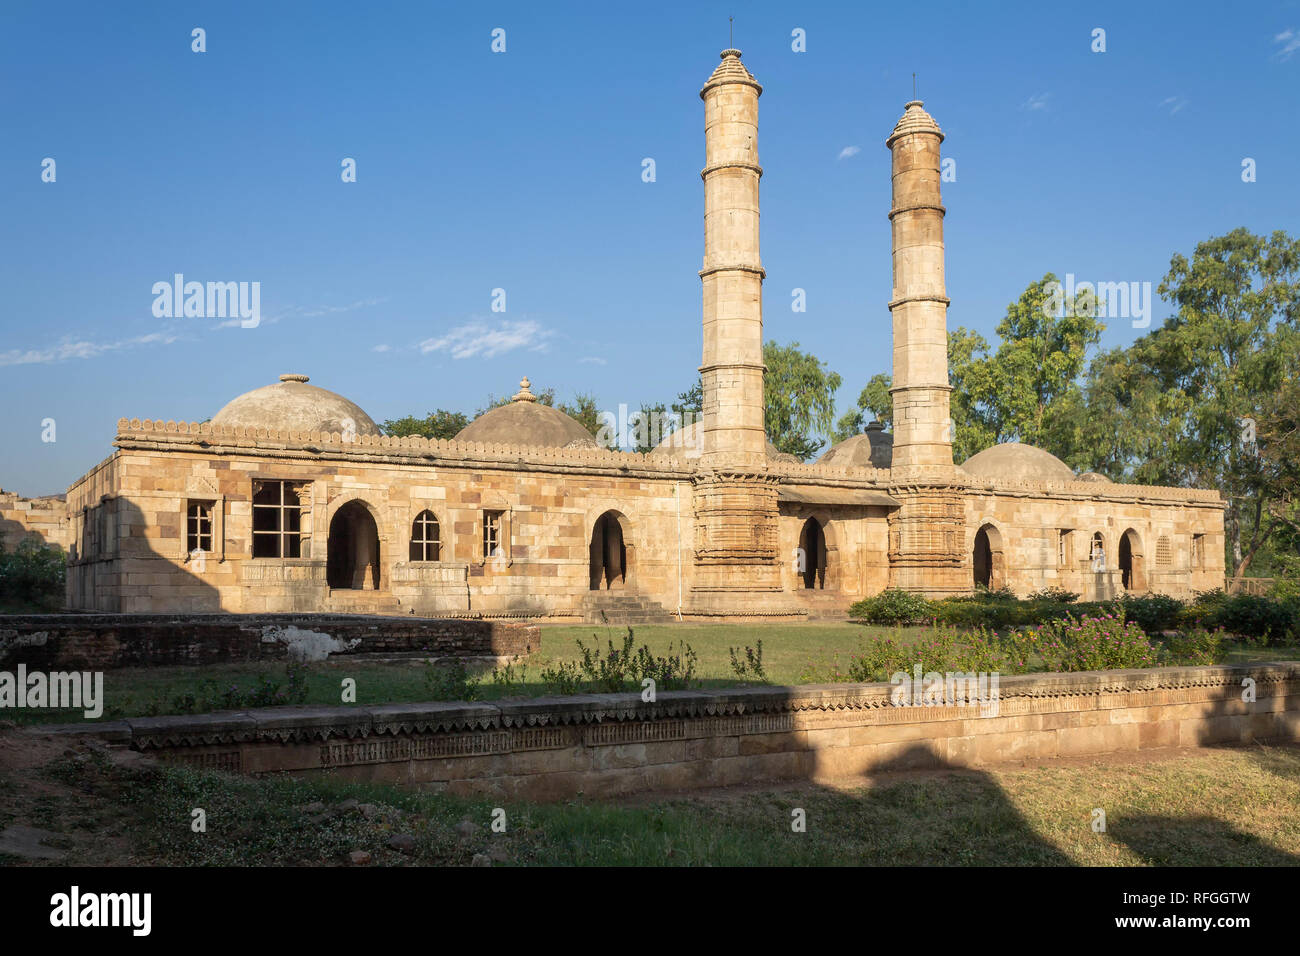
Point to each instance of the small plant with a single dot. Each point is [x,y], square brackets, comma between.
[612,672]
[450,680]
[750,666]
[511,677]
[562,679]
[676,671]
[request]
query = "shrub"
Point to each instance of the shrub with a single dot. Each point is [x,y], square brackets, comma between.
[892,607]
[1196,646]
[1153,612]
[33,571]
[1054,595]
[1266,619]
[939,649]
[1092,644]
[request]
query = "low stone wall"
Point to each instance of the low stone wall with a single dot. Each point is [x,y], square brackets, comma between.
[107,641]
[609,744]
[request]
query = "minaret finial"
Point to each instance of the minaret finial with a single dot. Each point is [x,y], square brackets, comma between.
[732,34]
[913,86]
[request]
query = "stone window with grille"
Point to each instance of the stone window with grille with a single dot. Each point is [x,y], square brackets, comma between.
[425,543]
[1164,553]
[198,526]
[493,522]
[277,520]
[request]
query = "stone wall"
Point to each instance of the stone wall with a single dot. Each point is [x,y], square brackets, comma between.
[46,518]
[610,744]
[128,548]
[107,641]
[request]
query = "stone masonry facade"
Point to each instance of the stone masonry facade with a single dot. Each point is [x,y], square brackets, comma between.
[269,518]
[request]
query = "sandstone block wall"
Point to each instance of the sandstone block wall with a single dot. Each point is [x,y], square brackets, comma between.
[611,744]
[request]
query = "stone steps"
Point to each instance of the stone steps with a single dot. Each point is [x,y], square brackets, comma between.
[347,601]
[622,608]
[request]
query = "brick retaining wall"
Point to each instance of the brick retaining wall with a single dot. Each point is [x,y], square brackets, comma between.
[107,641]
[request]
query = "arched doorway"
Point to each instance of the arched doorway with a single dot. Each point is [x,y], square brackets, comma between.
[1132,568]
[353,550]
[812,544]
[608,552]
[986,558]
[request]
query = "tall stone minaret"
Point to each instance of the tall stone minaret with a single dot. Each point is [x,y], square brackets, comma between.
[919,305]
[735,498]
[732,370]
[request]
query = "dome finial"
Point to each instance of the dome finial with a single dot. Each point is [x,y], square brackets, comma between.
[295,378]
[524,394]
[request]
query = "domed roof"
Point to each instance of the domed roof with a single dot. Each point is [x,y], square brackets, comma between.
[1014,460]
[688,442]
[526,421]
[1094,476]
[294,405]
[873,448]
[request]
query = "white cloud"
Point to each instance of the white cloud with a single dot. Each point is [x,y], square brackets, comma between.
[592,360]
[1036,102]
[480,338]
[1290,42]
[1175,103]
[299,312]
[382,348]
[81,349]
[848,151]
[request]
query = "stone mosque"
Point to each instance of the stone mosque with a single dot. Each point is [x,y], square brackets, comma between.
[290,498]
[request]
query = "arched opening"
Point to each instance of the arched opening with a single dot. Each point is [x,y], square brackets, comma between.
[812,547]
[1132,566]
[983,559]
[1097,555]
[353,550]
[608,552]
[986,558]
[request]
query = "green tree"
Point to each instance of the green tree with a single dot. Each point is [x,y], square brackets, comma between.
[1179,405]
[799,394]
[437,424]
[874,402]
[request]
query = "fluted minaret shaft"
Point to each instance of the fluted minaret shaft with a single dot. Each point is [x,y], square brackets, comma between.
[732,369]
[919,305]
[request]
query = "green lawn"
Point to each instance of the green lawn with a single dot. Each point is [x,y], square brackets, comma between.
[1208,808]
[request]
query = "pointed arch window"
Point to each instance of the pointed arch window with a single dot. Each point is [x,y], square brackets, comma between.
[425,542]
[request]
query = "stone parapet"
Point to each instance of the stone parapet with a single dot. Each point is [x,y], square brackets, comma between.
[609,744]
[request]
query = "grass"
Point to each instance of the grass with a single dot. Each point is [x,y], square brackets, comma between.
[792,654]
[1206,807]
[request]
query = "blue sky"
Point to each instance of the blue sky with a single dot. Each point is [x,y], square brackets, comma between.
[522,170]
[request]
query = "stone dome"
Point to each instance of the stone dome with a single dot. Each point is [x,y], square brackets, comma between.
[873,448]
[1014,460]
[526,421]
[293,405]
[1094,476]
[688,442]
